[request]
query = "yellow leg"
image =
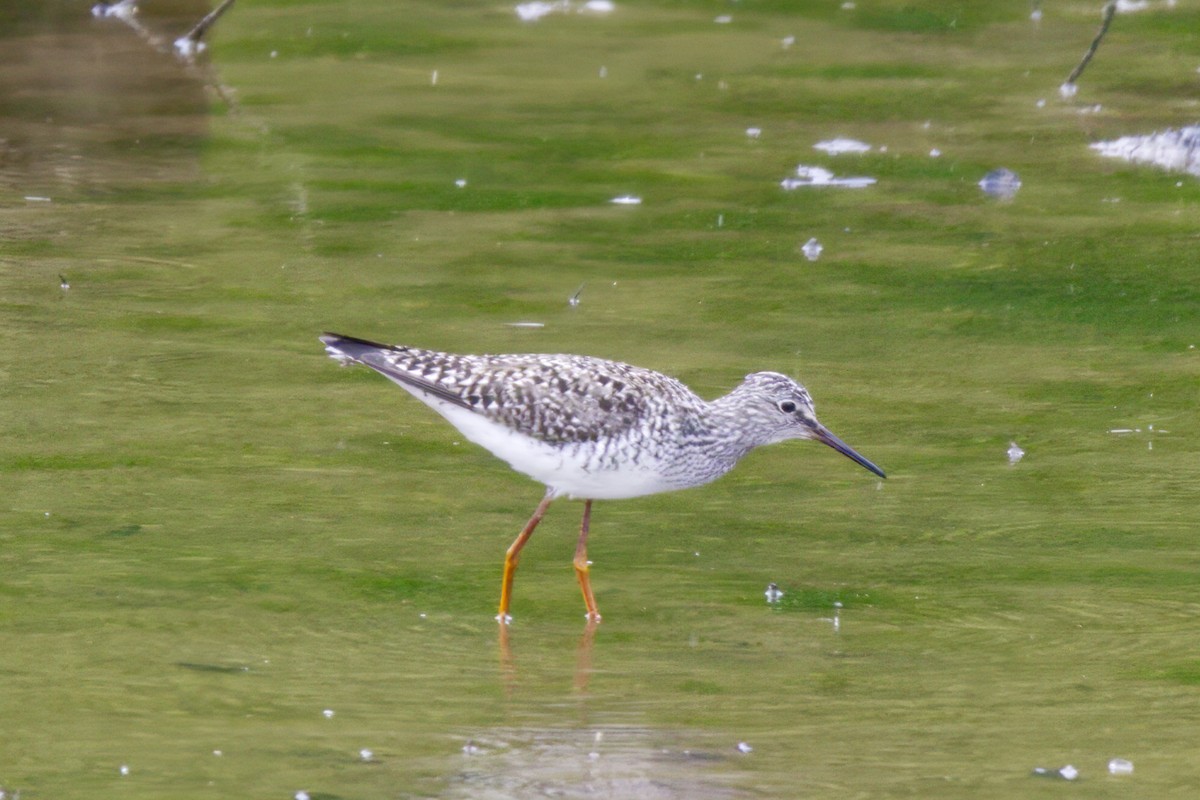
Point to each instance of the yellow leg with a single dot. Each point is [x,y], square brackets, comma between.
[581,564]
[513,556]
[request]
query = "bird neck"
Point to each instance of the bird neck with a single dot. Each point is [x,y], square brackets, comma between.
[727,424]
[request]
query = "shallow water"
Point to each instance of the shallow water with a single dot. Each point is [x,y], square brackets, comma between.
[229,567]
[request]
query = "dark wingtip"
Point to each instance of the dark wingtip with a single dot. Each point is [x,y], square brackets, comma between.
[350,348]
[329,337]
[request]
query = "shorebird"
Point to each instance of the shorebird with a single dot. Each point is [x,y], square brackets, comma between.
[592,429]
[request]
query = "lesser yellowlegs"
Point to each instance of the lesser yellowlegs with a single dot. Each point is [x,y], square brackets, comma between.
[592,429]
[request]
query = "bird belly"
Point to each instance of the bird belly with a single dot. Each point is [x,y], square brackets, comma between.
[570,469]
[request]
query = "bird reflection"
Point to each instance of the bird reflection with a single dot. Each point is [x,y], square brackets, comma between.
[583,658]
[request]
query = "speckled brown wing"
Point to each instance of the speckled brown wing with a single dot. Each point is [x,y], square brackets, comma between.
[556,399]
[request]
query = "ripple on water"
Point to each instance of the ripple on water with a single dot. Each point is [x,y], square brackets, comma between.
[630,763]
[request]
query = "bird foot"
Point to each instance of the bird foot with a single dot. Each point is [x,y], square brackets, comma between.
[504,619]
[592,616]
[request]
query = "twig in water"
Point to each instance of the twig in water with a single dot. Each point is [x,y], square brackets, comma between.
[1068,88]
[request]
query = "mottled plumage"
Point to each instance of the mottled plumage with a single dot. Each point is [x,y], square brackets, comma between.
[594,429]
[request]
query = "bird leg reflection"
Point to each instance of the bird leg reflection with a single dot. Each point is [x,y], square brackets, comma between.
[583,656]
[583,659]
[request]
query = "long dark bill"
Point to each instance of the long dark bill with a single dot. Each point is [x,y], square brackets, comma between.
[824,436]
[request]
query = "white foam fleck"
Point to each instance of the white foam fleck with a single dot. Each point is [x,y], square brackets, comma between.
[1120,766]
[536,9]
[812,249]
[819,176]
[842,145]
[1174,150]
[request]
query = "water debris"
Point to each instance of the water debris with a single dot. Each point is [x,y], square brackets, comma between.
[471,749]
[526,324]
[1173,150]
[819,176]
[1067,773]
[724,19]
[124,770]
[573,300]
[842,145]
[1015,453]
[753,133]
[742,747]
[812,249]
[774,593]
[1120,766]
[328,713]
[935,153]
[626,200]
[433,78]
[301,795]
[836,620]
[190,44]
[36,198]
[533,11]
[1069,87]
[461,183]
[185,48]
[1000,183]
[124,9]
[366,755]
[788,41]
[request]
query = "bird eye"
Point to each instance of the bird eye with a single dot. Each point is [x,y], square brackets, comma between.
[787,407]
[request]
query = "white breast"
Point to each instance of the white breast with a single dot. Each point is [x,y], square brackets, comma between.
[565,469]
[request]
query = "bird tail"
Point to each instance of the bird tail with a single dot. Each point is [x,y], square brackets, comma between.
[350,349]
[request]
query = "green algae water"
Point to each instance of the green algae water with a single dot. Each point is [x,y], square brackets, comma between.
[229,568]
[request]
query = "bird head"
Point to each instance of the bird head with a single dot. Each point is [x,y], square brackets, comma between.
[783,409]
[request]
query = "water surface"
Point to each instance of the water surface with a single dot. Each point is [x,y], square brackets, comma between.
[230,567]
